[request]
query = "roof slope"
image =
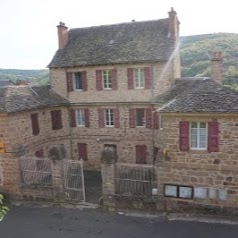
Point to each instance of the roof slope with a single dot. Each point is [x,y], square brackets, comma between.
[120,43]
[198,95]
[23,98]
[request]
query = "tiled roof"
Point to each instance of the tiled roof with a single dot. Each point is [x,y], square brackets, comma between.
[23,98]
[119,43]
[198,95]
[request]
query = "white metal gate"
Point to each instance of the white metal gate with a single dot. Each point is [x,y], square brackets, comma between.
[74,180]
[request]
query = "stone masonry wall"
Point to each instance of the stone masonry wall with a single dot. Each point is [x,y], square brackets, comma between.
[215,171]
[162,75]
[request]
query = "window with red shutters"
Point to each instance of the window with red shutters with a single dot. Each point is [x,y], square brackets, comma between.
[87,117]
[99,80]
[56,120]
[114,79]
[116,118]
[72,118]
[35,124]
[130,78]
[147,77]
[69,78]
[82,151]
[184,135]
[148,119]
[132,117]
[84,80]
[140,154]
[101,118]
[213,132]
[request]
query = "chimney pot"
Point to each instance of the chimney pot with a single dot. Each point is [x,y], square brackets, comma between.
[173,24]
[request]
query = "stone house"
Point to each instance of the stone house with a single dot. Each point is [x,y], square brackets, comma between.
[102,83]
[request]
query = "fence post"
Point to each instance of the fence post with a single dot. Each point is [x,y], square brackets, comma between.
[108,177]
[57,179]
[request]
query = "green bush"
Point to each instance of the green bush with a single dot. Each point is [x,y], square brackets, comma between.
[3,209]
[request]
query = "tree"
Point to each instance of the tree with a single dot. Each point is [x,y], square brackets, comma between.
[3,209]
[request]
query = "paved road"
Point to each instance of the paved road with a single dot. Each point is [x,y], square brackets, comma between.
[38,222]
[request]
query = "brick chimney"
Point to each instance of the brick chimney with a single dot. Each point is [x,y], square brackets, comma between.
[62,35]
[173,24]
[216,66]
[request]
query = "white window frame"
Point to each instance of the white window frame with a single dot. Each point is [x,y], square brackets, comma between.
[139,78]
[80,117]
[109,117]
[142,118]
[74,81]
[198,136]
[107,79]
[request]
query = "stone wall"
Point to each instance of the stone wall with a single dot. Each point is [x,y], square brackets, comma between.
[214,172]
[162,76]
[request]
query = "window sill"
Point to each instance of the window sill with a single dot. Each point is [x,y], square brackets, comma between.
[107,89]
[78,90]
[80,125]
[110,126]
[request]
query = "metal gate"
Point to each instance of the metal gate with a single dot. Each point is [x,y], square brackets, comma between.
[43,178]
[136,180]
[74,180]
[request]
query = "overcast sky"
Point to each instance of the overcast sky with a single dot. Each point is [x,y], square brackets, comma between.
[28,27]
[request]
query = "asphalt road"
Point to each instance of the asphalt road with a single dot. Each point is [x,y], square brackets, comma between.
[50,222]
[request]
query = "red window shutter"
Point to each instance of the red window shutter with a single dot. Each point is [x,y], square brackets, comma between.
[147,77]
[87,117]
[116,114]
[69,77]
[72,117]
[114,79]
[130,78]
[184,135]
[213,132]
[101,117]
[132,119]
[35,124]
[140,154]
[82,151]
[156,120]
[56,119]
[39,153]
[84,80]
[99,80]
[148,118]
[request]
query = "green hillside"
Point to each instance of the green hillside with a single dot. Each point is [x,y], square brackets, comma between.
[195,60]
[195,55]
[33,76]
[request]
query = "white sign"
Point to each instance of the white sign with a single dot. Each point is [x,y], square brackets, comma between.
[171,190]
[185,192]
[200,192]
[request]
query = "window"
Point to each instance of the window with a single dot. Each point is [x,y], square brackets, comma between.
[107,79]
[178,191]
[78,85]
[56,120]
[198,139]
[83,151]
[80,117]
[139,81]
[140,117]
[35,124]
[199,135]
[109,117]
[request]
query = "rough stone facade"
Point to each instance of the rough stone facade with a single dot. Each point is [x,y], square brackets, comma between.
[214,171]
